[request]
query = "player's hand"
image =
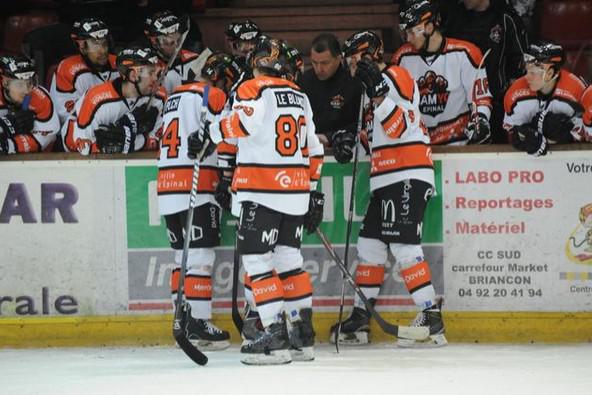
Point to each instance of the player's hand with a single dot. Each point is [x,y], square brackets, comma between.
[199,143]
[527,139]
[368,72]
[145,118]
[114,139]
[343,142]
[477,130]
[3,143]
[223,195]
[555,127]
[18,122]
[314,216]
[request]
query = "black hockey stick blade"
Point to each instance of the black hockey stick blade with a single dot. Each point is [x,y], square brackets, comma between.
[236,317]
[406,332]
[196,356]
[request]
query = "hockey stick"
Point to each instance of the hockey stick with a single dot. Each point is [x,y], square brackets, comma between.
[350,216]
[406,332]
[236,317]
[178,331]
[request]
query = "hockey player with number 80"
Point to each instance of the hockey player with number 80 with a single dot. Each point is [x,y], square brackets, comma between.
[278,166]
[401,183]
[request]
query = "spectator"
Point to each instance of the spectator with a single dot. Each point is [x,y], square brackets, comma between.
[78,73]
[543,107]
[494,26]
[455,99]
[334,95]
[28,122]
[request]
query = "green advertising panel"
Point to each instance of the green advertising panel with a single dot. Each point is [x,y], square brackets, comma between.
[336,178]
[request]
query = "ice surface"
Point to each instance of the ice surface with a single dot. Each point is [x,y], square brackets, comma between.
[378,369]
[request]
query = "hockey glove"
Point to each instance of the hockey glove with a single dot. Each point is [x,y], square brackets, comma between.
[314,216]
[222,194]
[145,118]
[555,127]
[18,122]
[343,142]
[525,138]
[477,130]
[118,138]
[197,141]
[369,74]
[3,143]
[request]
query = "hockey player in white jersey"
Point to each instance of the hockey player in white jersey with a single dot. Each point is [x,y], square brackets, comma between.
[401,184]
[164,31]
[455,101]
[121,116]
[278,164]
[175,170]
[28,121]
[78,73]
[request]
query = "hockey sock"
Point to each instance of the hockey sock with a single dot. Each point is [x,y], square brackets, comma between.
[369,278]
[198,292]
[269,296]
[297,292]
[418,280]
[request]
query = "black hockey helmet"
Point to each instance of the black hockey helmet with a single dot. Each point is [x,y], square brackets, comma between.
[161,24]
[416,12]
[243,31]
[17,68]
[366,43]
[545,52]
[270,55]
[295,61]
[89,28]
[221,66]
[132,57]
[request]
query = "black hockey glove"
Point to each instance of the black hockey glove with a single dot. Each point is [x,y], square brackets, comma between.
[18,122]
[197,141]
[477,130]
[145,118]
[343,142]
[314,216]
[555,127]
[223,195]
[3,143]
[118,138]
[526,138]
[369,74]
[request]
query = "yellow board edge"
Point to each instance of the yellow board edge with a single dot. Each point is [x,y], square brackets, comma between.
[148,330]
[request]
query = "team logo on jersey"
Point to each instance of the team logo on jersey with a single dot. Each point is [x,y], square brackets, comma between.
[434,93]
[337,102]
[495,34]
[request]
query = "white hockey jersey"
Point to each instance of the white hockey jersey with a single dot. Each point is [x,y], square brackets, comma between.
[400,146]
[46,125]
[279,156]
[175,170]
[72,79]
[521,104]
[180,71]
[105,104]
[449,82]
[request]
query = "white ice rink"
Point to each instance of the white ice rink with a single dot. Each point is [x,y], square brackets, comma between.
[380,369]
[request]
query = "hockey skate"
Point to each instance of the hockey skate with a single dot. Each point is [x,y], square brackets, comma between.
[204,335]
[252,326]
[354,330]
[271,347]
[432,318]
[302,337]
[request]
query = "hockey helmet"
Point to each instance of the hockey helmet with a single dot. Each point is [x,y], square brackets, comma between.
[222,67]
[366,43]
[161,24]
[416,12]
[243,31]
[545,52]
[135,57]
[295,62]
[270,55]
[89,28]
[17,68]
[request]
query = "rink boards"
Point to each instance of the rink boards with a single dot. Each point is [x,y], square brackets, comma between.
[509,239]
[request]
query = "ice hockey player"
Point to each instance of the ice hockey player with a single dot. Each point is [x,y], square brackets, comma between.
[586,103]
[543,107]
[164,30]
[455,101]
[175,170]
[278,165]
[28,122]
[78,73]
[241,38]
[120,116]
[401,183]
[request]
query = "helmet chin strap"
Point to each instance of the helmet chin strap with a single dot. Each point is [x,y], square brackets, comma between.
[426,43]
